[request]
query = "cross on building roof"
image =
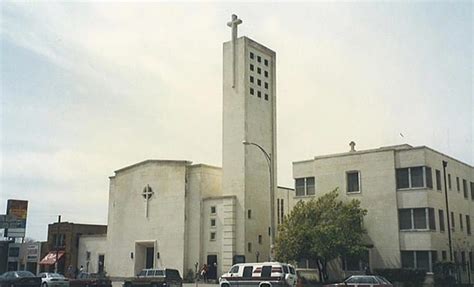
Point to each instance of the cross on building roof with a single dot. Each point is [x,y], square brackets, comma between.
[233,24]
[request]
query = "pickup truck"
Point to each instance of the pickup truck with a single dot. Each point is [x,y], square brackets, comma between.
[155,278]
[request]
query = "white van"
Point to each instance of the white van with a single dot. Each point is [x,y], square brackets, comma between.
[265,274]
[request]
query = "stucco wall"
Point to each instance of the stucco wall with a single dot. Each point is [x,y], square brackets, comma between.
[96,245]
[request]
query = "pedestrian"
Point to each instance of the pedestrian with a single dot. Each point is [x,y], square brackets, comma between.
[70,272]
[204,270]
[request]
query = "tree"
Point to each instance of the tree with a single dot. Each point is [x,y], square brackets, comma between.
[322,229]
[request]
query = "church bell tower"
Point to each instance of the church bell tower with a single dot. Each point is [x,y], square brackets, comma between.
[249,170]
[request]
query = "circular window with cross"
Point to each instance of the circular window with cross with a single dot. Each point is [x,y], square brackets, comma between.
[147,192]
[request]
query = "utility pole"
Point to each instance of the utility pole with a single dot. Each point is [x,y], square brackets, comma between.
[445,164]
[57,246]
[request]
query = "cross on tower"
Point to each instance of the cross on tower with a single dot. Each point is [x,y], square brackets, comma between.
[234,22]
[147,194]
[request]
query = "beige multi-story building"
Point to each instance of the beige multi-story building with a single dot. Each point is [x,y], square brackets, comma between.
[403,189]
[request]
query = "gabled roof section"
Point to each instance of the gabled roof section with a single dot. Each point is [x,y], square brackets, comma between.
[158,161]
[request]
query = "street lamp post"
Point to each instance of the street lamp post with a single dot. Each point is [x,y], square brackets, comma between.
[272,195]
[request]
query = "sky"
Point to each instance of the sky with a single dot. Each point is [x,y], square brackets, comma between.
[91,87]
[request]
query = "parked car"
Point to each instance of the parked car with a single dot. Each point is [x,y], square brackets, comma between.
[363,281]
[53,280]
[156,278]
[19,279]
[90,280]
[264,274]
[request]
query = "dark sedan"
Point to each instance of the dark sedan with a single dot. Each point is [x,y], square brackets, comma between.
[90,280]
[19,279]
[363,281]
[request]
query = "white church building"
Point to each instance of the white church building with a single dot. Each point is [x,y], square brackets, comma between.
[175,214]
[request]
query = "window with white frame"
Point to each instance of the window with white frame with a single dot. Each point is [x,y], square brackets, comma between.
[416,219]
[353,181]
[304,186]
[414,177]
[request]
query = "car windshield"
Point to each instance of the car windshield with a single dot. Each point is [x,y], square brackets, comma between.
[56,275]
[25,274]
[383,279]
[361,279]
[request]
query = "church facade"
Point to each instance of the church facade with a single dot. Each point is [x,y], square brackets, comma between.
[176,214]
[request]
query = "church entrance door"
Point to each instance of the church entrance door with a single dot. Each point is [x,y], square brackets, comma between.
[211,266]
[150,251]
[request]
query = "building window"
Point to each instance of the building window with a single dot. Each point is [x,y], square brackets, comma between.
[251,55]
[468,224]
[282,215]
[353,181]
[418,259]
[438,180]
[470,261]
[464,188]
[259,59]
[453,224]
[259,94]
[461,226]
[265,62]
[444,255]
[266,85]
[213,236]
[278,209]
[266,74]
[472,190]
[441,220]
[304,186]
[414,177]
[251,67]
[259,71]
[249,213]
[463,260]
[259,239]
[355,263]
[449,181]
[251,91]
[266,97]
[249,246]
[251,79]
[213,222]
[457,184]
[417,219]
[213,210]
[259,82]
[14,252]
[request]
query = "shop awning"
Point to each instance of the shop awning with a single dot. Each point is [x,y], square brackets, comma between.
[50,258]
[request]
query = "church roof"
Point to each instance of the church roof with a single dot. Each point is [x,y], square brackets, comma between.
[158,161]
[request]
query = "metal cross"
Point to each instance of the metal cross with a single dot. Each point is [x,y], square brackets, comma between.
[235,21]
[147,194]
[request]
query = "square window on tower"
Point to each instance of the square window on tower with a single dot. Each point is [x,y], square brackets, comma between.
[251,79]
[266,74]
[259,94]
[266,85]
[259,82]
[266,62]
[259,71]
[259,59]
[266,97]
[251,55]
[251,91]
[251,67]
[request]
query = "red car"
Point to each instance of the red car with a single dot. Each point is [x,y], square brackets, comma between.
[363,281]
